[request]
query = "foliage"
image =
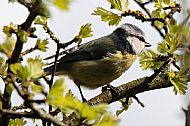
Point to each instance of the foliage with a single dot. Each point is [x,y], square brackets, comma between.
[40,20]
[7,46]
[179,80]
[85,32]
[26,77]
[113,19]
[125,105]
[17,122]
[33,69]
[62,4]
[3,67]
[41,45]
[150,59]
[170,46]
[69,104]
[9,29]
[109,16]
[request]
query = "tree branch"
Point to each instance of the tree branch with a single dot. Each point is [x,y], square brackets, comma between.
[29,103]
[35,8]
[132,88]
[148,13]
[40,115]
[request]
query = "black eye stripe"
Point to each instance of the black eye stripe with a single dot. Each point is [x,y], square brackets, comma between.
[139,37]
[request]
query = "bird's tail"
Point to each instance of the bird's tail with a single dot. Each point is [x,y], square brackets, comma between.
[48,70]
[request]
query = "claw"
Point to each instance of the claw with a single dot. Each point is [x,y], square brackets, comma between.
[113,89]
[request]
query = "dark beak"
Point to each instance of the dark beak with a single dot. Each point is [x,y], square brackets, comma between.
[147,44]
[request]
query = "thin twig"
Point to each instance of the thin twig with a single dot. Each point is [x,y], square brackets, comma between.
[145,3]
[148,13]
[27,51]
[57,41]
[38,114]
[36,111]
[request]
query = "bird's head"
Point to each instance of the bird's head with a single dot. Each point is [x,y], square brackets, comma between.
[131,38]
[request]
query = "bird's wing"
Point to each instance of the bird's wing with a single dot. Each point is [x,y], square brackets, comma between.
[69,50]
[92,50]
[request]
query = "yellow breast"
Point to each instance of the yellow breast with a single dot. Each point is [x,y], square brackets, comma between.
[96,73]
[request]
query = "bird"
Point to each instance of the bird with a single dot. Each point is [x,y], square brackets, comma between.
[98,62]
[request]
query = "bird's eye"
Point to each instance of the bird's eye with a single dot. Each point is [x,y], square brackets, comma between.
[141,39]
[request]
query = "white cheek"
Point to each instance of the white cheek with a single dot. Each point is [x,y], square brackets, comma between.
[137,45]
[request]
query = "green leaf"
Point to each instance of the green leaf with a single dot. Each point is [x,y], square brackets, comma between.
[149,59]
[40,20]
[9,89]
[17,122]
[35,67]
[20,71]
[68,103]
[1,105]
[162,47]
[8,30]
[116,4]
[180,29]
[174,41]
[33,70]
[85,32]
[37,88]
[108,121]
[167,2]
[23,35]
[179,81]
[163,15]
[62,4]
[41,44]
[7,46]
[56,93]
[107,16]
[3,67]
[125,105]
[58,88]
[158,4]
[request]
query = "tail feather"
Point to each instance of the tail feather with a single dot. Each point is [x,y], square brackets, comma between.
[48,70]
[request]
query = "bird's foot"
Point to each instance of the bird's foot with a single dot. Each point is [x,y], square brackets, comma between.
[82,96]
[111,88]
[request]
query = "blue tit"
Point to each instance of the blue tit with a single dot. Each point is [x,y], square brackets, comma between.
[100,61]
